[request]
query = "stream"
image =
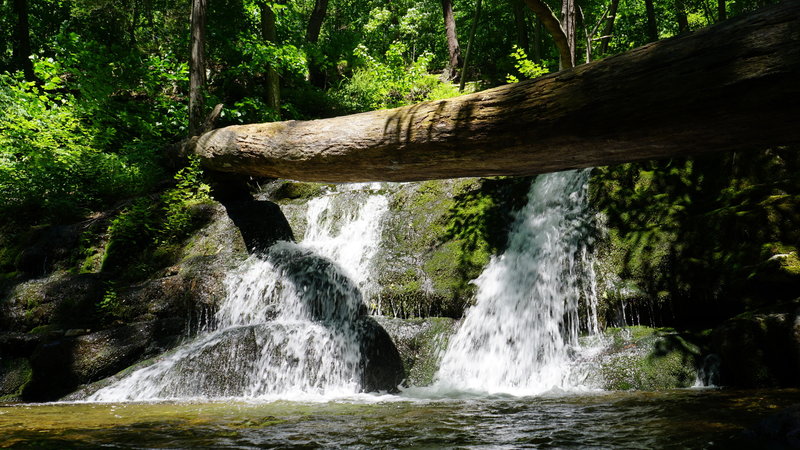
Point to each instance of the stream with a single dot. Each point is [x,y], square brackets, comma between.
[289,354]
[693,418]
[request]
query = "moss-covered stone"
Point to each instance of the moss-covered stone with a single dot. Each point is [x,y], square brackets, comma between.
[645,358]
[292,190]
[690,242]
[421,343]
[15,374]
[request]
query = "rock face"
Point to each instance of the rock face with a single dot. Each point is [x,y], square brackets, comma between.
[63,330]
[643,358]
[759,350]
[421,344]
[436,237]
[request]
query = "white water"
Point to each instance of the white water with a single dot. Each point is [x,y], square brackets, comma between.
[521,337]
[287,328]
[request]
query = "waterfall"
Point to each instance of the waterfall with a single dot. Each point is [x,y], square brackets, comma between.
[289,325]
[522,333]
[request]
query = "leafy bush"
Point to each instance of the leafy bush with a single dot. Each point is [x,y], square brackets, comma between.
[150,222]
[49,162]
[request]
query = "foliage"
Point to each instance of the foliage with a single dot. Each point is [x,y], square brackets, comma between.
[148,223]
[48,163]
[527,68]
[692,240]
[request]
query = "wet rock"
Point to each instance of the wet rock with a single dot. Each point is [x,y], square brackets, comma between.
[644,358]
[781,430]
[421,344]
[15,374]
[64,299]
[383,367]
[61,365]
[759,350]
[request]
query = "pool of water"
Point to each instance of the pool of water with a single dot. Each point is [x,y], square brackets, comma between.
[674,419]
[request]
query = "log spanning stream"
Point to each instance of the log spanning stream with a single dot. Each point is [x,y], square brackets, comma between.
[732,86]
[292,355]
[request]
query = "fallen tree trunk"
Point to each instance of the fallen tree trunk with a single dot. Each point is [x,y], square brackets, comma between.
[732,86]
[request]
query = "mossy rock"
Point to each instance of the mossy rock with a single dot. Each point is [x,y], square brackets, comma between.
[421,343]
[644,358]
[292,190]
[15,374]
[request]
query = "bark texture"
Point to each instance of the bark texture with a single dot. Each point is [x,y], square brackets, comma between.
[453,49]
[732,86]
[197,67]
[270,35]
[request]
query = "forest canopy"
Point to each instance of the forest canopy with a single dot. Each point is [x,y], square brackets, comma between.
[94,92]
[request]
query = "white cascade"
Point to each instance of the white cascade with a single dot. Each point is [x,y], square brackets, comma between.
[521,337]
[287,328]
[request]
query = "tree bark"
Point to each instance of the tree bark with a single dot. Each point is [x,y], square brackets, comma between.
[652,28]
[315,73]
[269,34]
[21,52]
[568,24]
[553,26]
[315,21]
[475,19]
[453,49]
[680,13]
[722,14]
[521,25]
[537,40]
[609,28]
[197,67]
[732,86]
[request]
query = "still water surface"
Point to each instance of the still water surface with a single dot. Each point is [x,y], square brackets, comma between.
[672,419]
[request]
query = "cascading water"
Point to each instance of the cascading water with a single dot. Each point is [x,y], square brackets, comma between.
[520,336]
[289,324]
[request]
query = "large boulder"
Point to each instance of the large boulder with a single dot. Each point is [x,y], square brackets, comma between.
[759,350]
[60,365]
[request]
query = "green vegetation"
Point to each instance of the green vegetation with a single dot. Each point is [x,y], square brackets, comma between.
[691,241]
[645,358]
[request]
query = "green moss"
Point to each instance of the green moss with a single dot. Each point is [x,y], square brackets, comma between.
[690,233]
[15,374]
[292,190]
[644,358]
[429,348]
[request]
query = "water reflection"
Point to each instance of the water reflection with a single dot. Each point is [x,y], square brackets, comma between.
[683,419]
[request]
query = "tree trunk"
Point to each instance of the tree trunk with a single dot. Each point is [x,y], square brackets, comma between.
[652,28]
[537,40]
[315,21]
[609,28]
[315,73]
[553,26]
[475,19]
[680,13]
[521,25]
[732,86]
[22,40]
[269,34]
[197,67]
[453,49]
[721,11]
[568,24]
